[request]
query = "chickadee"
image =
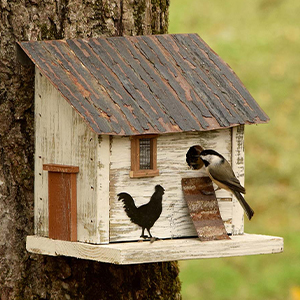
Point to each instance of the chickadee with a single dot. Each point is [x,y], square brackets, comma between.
[221,173]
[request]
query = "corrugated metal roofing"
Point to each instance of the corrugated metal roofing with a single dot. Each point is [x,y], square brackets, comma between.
[146,84]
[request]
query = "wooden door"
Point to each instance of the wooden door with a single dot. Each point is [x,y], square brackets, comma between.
[62,202]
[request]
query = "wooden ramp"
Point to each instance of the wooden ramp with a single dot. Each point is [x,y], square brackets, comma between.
[204,210]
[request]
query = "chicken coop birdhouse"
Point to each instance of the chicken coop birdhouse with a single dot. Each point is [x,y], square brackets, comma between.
[114,120]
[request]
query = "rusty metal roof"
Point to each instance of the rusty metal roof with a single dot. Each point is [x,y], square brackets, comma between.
[146,84]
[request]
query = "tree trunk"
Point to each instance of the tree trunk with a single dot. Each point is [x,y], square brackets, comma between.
[28,276]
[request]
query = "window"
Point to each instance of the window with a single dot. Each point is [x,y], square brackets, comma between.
[144,156]
[62,202]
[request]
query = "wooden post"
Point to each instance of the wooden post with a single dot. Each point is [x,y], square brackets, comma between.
[238,166]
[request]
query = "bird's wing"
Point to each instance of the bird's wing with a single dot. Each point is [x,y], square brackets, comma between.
[224,174]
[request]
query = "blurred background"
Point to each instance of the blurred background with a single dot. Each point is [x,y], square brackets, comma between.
[260,40]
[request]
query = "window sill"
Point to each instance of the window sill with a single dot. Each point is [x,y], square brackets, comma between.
[143,173]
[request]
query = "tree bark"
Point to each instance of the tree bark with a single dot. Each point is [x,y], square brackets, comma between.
[28,276]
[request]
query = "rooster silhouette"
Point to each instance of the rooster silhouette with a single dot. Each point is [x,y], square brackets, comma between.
[145,215]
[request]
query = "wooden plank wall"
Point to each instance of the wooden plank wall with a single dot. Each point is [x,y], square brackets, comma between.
[62,137]
[171,148]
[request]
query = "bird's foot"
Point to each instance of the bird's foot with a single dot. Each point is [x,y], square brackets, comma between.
[204,192]
[207,193]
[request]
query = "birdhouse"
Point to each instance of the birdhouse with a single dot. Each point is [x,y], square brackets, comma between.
[114,120]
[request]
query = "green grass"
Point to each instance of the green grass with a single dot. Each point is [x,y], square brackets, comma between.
[260,40]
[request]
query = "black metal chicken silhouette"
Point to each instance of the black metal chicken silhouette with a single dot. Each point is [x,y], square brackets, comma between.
[145,215]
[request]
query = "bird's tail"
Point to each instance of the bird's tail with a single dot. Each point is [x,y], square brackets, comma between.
[248,210]
[129,205]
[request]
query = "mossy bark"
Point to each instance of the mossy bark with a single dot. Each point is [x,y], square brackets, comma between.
[27,276]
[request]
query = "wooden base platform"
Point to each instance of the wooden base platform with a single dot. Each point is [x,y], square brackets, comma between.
[158,251]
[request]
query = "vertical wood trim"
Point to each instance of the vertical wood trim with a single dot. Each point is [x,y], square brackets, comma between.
[73,207]
[102,206]
[153,150]
[238,166]
[135,154]
[40,179]
[137,157]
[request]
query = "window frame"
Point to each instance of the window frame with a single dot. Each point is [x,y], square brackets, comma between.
[136,172]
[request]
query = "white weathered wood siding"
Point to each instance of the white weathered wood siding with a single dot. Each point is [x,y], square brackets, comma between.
[171,154]
[62,137]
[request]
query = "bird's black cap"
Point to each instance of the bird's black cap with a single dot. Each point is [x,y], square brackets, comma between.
[210,152]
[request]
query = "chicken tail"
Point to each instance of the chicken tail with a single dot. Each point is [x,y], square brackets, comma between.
[129,205]
[248,210]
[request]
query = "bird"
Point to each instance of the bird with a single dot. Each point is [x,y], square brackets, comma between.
[145,215]
[221,173]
